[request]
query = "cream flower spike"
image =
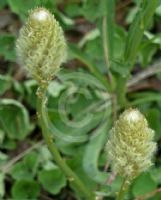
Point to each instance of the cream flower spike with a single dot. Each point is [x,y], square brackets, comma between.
[41,46]
[130,147]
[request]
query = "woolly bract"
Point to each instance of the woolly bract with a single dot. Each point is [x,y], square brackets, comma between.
[41,46]
[130,146]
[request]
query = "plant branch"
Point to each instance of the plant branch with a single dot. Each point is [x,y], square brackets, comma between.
[145,73]
[4,169]
[71,176]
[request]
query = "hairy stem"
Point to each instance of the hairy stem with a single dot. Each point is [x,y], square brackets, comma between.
[122,191]
[71,176]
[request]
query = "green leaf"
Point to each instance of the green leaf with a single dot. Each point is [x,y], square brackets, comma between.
[2,185]
[31,88]
[93,52]
[90,10]
[143,184]
[158,11]
[93,9]
[119,43]
[76,164]
[52,180]
[2,4]
[156,174]
[154,118]
[9,144]
[14,119]
[73,10]
[146,53]
[156,197]
[72,120]
[65,19]
[7,47]
[137,28]
[2,136]
[3,158]
[5,83]
[91,156]
[108,29]
[31,160]
[132,14]
[26,168]
[20,170]
[21,7]
[55,88]
[46,158]
[77,53]
[73,131]
[144,97]
[120,68]
[25,189]
[90,36]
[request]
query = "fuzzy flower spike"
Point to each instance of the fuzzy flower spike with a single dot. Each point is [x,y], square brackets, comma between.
[41,46]
[130,146]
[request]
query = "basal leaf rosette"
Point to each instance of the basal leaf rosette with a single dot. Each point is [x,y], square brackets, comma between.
[130,147]
[41,46]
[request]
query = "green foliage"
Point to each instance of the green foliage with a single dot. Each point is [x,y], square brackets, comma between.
[7,47]
[2,4]
[140,186]
[14,119]
[21,8]
[92,151]
[2,186]
[5,84]
[26,168]
[83,100]
[25,189]
[52,180]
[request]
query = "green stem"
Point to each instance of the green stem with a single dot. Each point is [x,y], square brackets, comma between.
[123,190]
[121,91]
[72,177]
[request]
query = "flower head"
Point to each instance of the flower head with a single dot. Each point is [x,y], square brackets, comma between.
[130,146]
[41,46]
